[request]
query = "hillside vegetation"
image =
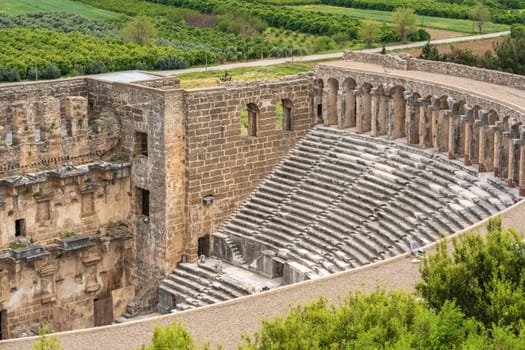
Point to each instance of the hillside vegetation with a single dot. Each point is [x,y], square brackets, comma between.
[198,32]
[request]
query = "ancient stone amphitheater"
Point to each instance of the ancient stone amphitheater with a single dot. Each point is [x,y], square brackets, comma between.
[377,157]
[337,201]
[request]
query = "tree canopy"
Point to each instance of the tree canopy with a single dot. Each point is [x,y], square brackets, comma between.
[405,22]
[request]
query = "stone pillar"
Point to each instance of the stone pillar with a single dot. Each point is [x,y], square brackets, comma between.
[340,108]
[422,128]
[510,178]
[382,115]
[480,127]
[358,109]
[326,106]
[349,107]
[497,148]
[411,122]
[468,140]
[374,108]
[434,120]
[482,146]
[451,137]
[522,171]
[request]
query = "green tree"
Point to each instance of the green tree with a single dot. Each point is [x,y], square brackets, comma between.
[51,71]
[484,277]
[380,320]
[46,342]
[510,55]
[405,22]
[140,30]
[369,33]
[480,15]
[430,52]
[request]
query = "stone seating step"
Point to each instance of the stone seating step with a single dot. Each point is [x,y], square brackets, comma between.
[224,285]
[186,293]
[202,286]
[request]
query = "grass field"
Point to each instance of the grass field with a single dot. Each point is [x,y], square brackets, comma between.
[210,78]
[19,7]
[450,24]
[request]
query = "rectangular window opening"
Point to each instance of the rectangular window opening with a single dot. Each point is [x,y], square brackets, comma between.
[204,246]
[20,228]
[141,143]
[9,138]
[3,324]
[65,128]
[37,135]
[143,201]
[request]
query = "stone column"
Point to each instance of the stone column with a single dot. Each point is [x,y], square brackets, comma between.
[326,106]
[358,109]
[497,147]
[451,137]
[510,178]
[382,115]
[468,140]
[349,108]
[434,119]
[482,146]
[481,125]
[422,128]
[411,125]
[340,108]
[374,108]
[522,170]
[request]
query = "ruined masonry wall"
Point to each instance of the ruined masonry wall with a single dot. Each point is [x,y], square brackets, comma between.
[221,163]
[159,115]
[61,289]
[46,124]
[446,68]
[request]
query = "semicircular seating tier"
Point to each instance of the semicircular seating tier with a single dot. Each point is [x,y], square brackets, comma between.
[337,201]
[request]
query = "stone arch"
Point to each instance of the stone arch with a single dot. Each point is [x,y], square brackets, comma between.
[492,117]
[349,85]
[249,120]
[284,115]
[333,87]
[443,102]
[398,112]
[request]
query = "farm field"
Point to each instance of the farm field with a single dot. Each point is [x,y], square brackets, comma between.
[211,78]
[477,47]
[19,7]
[449,24]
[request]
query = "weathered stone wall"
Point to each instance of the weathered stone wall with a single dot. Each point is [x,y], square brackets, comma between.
[55,206]
[47,124]
[159,169]
[391,61]
[60,289]
[446,68]
[225,165]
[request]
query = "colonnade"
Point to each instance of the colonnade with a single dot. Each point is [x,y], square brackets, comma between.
[478,136]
